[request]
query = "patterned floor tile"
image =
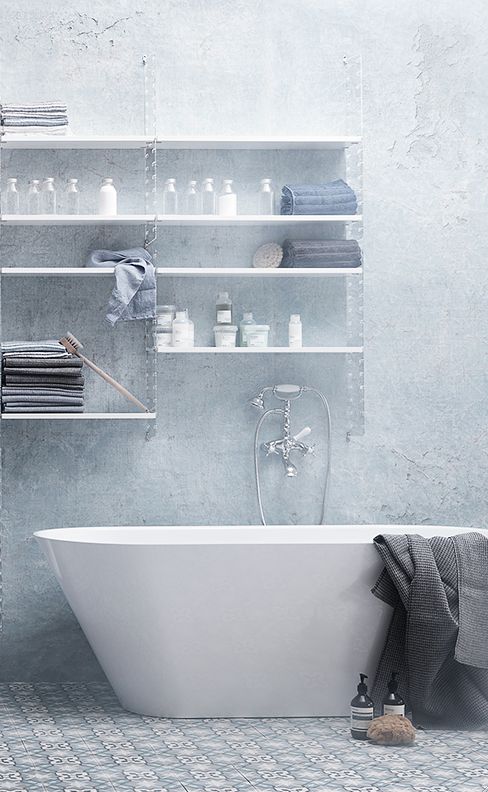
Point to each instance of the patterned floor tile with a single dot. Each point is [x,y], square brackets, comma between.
[77,738]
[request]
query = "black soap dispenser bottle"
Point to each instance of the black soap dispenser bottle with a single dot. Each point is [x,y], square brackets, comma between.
[393,703]
[362,711]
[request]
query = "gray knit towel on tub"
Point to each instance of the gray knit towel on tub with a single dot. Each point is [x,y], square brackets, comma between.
[134,294]
[438,636]
[334,197]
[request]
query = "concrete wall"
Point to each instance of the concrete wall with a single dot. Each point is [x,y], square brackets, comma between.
[252,68]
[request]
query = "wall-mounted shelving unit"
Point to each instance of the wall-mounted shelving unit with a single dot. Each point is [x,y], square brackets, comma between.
[347,147]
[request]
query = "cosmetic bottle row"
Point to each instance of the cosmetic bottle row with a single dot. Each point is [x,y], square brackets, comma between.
[175,328]
[44,197]
[202,198]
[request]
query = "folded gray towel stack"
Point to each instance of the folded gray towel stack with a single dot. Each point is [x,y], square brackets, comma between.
[47,118]
[331,198]
[321,253]
[41,376]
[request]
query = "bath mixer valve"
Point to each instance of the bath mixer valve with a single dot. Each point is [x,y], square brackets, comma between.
[288,443]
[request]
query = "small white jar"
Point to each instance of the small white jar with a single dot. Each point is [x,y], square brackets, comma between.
[225,335]
[257,336]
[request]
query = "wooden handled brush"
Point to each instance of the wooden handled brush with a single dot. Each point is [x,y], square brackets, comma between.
[73,345]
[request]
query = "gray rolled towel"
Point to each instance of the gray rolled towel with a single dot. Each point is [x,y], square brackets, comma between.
[18,379]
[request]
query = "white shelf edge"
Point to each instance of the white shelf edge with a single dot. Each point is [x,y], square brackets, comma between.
[38,141]
[354,350]
[328,142]
[55,271]
[78,416]
[218,220]
[246,272]
[279,272]
[75,220]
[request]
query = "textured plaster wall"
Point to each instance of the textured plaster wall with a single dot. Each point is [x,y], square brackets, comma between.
[251,67]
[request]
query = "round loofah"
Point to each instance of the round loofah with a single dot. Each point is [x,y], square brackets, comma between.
[268,255]
[391,730]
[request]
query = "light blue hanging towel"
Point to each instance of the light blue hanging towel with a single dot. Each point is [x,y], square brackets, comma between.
[134,293]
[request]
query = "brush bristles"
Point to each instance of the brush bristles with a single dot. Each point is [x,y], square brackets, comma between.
[71,343]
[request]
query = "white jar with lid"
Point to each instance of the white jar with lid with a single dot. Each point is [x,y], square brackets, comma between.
[257,336]
[225,335]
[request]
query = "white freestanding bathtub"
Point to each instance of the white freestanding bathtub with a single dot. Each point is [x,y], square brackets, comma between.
[197,622]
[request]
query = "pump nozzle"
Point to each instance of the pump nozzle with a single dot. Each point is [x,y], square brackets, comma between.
[393,683]
[362,687]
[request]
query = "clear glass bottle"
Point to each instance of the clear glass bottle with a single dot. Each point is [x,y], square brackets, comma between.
[266,198]
[295,331]
[224,309]
[192,198]
[72,197]
[246,322]
[11,198]
[227,199]
[170,197]
[34,197]
[208,197]
[48,196]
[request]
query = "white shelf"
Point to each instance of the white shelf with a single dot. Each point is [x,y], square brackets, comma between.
[329,142]
[37,141]
[258,272]
[355,350]
[56,271]
[185,272]
[256,220]
[74,220]
[78,416]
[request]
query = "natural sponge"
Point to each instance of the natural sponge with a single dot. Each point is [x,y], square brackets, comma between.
[391,730]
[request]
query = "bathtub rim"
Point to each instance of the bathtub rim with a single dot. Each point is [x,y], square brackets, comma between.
[228,535]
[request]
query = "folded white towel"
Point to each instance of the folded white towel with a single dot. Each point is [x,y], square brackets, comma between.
[42,107]
[36,130]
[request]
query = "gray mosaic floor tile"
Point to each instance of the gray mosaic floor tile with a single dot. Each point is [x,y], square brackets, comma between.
[77,738]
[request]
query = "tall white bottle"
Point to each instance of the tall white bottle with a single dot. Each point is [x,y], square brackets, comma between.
[107,199]
[227,199]
[295,332]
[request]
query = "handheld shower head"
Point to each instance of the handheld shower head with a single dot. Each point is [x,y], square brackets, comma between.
[258,401]
[290,470]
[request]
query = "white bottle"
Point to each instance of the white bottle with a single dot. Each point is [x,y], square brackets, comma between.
[224,309]
[266,198]
[227,199]
[33,197]
[11,198]
[48,196]
[107,199]
[181,330]
[295,332]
